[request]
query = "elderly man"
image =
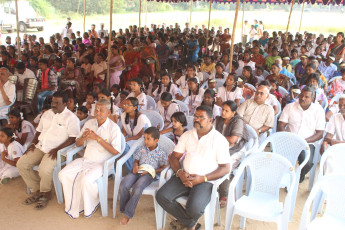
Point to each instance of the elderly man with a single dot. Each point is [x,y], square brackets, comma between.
[206,159]
[22,73]
[256,112]
[306,119]
[102,138]
[57,129]
[7,91]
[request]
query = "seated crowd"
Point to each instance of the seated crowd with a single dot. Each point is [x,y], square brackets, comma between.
[186,75]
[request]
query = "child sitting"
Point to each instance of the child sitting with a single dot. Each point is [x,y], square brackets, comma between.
[166,107]
[11,151]
[179,123]
[149,156]
[90,100]
[292,96]
[274,90]
[115,91]
[259,74]
[209,100]
[83,115]
[212,84]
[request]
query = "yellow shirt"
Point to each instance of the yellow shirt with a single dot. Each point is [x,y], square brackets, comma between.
[208,68]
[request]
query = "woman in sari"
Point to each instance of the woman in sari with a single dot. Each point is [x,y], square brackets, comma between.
[148,53]
[338,49]
[117,65]
[132,59]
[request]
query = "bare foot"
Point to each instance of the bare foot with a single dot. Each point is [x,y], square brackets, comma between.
[124,220]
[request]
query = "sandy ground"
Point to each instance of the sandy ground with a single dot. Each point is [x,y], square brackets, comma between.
[15,215]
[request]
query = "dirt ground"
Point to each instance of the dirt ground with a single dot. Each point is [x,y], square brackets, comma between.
[17,216]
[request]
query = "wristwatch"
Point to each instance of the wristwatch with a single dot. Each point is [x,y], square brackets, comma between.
[259,131]
[205,178]
[177,172]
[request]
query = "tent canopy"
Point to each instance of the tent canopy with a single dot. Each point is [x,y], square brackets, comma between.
[319,2]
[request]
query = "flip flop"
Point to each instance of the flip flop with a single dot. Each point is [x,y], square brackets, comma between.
[32,199]
[5,180]
[42,203]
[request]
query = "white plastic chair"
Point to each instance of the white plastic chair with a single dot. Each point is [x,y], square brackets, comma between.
[219,83]
[325,103]
[190,122]
[316,159]
[335,156]
[333,79]
[57,169]
[108,169]
[262,202]
[283,91]
[168,146]
[274,129]
[290,146]
[250,86]
[155,118]
[334,216]
[183,107]
[151,104]
[334,99]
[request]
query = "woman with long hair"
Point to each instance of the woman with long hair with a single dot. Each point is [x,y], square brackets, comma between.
[337,48]
[132,59]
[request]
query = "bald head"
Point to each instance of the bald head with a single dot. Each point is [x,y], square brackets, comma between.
[261,94]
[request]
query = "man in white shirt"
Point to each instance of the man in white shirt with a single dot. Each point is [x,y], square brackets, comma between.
[206,159]
[307,120]
[102,30]
[22,73]
[57,129]
[245,32]
[67,31]
[102,138]
[7,91]
[336,126]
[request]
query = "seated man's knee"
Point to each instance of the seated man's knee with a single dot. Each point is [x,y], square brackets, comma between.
[195,210]
[45,171]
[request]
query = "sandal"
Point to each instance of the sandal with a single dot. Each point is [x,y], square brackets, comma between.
[42,203]
[175,225]
[32,199]
[197,226]
[222,202]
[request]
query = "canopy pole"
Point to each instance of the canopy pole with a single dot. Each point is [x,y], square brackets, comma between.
[18,38]
[242,19]
[208,26]
[190,10]
[84,13]
[287,27]
[78,7]
[109,43]
[145,12]
[139,15]
[233,36]
[300,23]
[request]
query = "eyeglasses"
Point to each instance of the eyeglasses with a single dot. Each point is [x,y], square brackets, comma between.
[199,118]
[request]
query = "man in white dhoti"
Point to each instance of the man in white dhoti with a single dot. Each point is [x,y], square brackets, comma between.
[102,138]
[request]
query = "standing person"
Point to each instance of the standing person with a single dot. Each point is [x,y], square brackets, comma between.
[93,32]
[245,32]
[307,120]
[67,31]
[132,59]
[7,91]
[252,33]
[10,151]
[206,159]
[102,30]
[150,155]
[57,129]
[102,139]
[193,49]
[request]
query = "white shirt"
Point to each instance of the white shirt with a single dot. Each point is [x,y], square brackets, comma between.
[173,91]
[14,149]
[141,99]
[116,110]
[226,95]
[131,130]
[217,111]
[66,32]
[205,154]
[56,128]
[182,82]
[28,128]
[242,64]
[336,126]
[213,75]
[109,132]
[193,101]
[10,90]
[27,74]
[303,122]
[245,29]
[166,114]
[98,68]
[104,31]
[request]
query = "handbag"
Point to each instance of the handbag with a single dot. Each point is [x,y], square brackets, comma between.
[150,61]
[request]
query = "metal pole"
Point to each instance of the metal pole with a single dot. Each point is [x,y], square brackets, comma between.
[233,36]
[109,43]
[300,23]
[18,38]
[84,13]
[139,16]
[191,10]
[287,27]
[242,20]
[208,25]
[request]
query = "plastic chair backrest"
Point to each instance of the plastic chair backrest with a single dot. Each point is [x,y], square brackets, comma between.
[183,107]
[190,122]
[253,142]
[333,79]
[164,143]
[286,144]
[334,99]
[151,104]
[325,103]
[29,91]
[250,86]
[283,91]
[267,170]
[219,83]
[334,156]
[155,118]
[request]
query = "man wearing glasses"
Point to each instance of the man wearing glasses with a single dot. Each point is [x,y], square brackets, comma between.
[206,159]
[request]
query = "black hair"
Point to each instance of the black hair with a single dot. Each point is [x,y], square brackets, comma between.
[250,70]
[232,105]
[140,83]
[16,113]
[166,96]
[265,83]
[311,65]
[169,85]
[153,132]
[207,109]
[74,101]
[235,80]
[34,58]
[46,107]
[180,117]
[44,61]
[124,93]
[311,89]
[315,76]
[107,93]
[213,94]
[193,79]
[92,94]
[134,101]
[20,65]
[61,94]
[9,132]
[342,71]
[83,109]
